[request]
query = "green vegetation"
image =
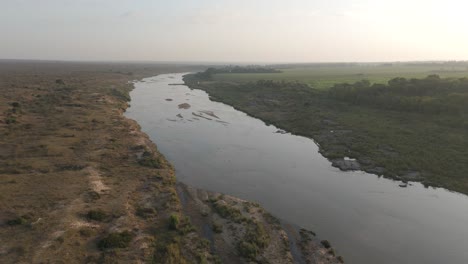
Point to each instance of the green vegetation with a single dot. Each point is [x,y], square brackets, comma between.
[116,240]
[325,75]
[217,228]
[148,160]
[255,239]
[145,213]
[97,215]
[173,254]
[173,222]
[22,220]
[229,212]
[326,243]
[407,129]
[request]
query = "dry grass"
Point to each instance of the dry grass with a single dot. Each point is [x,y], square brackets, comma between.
[70,151]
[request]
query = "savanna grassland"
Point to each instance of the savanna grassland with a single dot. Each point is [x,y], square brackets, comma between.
[402,121]
[325,75]
[80,183]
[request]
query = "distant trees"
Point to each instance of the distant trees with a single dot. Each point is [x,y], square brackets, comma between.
[431,95]
[208,73]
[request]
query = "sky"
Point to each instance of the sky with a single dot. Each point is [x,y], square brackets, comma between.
[267,31]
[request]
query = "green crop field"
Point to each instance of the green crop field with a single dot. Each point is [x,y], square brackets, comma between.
[323,76]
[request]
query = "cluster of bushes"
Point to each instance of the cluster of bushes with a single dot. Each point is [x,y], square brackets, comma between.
[245,69]
[183,226]
[229,212]
[208,73]
[254,241]
[121,94]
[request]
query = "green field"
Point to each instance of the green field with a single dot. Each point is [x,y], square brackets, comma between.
[322,76]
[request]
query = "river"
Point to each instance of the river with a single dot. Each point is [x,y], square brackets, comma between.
[367,219]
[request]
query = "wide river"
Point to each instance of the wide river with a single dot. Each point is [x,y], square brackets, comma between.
[367,219]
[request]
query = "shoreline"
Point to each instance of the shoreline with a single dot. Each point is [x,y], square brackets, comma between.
[326,137]
[199,205]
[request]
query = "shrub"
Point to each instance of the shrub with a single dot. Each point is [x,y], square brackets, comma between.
[145,212]
[255,239]
[217,228]
[17,221]
[326,243]
[226,211]
[116,240]
[173,254]
[10,120]
[174,222]
[248,250]
[185,226]
[148,160]
[96,215]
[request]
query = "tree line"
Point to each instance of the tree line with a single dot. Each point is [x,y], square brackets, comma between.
[430,95]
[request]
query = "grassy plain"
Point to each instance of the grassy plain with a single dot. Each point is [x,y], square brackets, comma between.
[323,76]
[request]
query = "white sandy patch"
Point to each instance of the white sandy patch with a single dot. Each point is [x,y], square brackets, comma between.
[96,181]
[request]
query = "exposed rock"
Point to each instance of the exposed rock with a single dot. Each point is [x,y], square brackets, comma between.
[184,106]
[346,165]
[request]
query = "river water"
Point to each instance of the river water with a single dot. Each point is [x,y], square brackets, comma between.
[367,219]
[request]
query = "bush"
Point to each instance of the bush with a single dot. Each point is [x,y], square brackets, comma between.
[96,215]
[185,226]
[326,243]
[173,222]
[148,160]
[145,212]
[255,239]
[173,254]
[116,240]
[10,120]
[17,221]
[248,250]
[226,211]
[217,228]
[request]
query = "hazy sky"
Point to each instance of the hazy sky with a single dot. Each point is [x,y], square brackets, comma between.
[234,30]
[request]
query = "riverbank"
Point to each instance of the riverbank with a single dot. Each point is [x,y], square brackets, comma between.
[404,146]
[80,183]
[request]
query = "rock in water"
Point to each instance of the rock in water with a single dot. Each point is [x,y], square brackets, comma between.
[184,106]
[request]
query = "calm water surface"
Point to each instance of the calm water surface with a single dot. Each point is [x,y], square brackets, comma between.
[368,219]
